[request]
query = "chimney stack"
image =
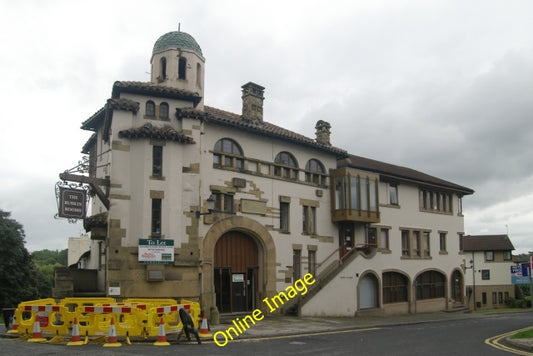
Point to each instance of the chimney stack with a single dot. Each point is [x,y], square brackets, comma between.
[323,132]
[252,102]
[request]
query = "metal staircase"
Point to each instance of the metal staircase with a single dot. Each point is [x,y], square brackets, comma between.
[326,271]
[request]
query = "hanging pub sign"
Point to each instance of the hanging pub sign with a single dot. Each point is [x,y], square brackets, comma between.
[72,203]
[156,251]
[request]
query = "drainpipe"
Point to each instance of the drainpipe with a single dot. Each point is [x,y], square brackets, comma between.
[474,279]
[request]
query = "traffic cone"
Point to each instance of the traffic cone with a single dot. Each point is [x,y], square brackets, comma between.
[76,339]
[161,336]
[15,327]
[112,340]
[204,328]
[36,335]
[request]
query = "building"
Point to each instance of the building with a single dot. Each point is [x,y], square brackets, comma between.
[488,259]
[229,209]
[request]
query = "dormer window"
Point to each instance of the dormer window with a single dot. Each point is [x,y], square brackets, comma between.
[182,67]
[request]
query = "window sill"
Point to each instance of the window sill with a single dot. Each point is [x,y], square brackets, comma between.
[392,206]
[157,178]
[384,250]
[443,252]
[417,258]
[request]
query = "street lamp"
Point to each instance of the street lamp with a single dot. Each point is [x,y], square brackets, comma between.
[473,278]
[210,207]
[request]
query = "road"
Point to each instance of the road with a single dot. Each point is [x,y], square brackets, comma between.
[459,337]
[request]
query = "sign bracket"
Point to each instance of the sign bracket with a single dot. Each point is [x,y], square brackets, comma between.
[95,184]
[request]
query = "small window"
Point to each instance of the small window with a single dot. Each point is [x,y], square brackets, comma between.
[384,239]
[489,255]
[372,236]
[284,217]
[494,298]
[427,244]
[150,108]
[405,243]
[416,243]
[393,194]
[157,161]
[311,260]
[442,239]
[296,264]
[506,255]
[485,274]
[156,217]
[223,203]
[182,68]
[309,220]
[163,111]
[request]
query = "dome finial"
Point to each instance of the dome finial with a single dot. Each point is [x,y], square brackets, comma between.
[179,25]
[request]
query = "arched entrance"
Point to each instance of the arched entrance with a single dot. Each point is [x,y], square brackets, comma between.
[368,292]
[236,264]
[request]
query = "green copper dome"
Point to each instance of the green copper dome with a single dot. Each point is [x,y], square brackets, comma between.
[177,39]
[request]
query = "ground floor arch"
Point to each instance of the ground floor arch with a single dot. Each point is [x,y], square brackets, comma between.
[368,292]
[236,266]
[234,233]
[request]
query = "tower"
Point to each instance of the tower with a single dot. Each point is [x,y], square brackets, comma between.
[177,62]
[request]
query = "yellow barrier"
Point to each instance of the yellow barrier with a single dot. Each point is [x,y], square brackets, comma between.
[195,311]
[135,317]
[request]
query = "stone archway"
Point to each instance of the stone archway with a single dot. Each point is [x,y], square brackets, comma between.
[266,252]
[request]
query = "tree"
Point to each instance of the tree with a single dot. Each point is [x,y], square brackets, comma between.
[18,275]
[46,261]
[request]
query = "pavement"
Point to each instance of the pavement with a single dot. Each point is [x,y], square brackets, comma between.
[275,325]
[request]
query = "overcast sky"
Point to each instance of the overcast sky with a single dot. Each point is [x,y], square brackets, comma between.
[443,87]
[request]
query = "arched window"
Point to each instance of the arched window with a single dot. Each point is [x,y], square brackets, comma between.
[395,287]
[430,284]
[163,66]
[150,108]
[163,111]
[286,166]
[315,172]
[182,67]
[228,153]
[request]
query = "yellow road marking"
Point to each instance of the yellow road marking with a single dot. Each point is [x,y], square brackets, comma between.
[495,342]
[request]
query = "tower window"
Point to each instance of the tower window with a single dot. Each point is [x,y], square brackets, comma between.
[163,64]
[199,75]
[182,67]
